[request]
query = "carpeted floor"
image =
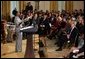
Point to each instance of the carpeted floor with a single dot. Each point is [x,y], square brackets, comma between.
[8,50]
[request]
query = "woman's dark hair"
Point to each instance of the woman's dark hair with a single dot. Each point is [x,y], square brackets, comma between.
[14,12]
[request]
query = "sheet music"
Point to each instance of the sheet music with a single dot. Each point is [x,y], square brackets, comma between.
[76,50]
[50,24]
[10,25]
[26,27]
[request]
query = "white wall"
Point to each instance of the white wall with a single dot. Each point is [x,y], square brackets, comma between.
[78,5]
[14,4]
[32,3]
[44,5]
[47,5]
[61,5]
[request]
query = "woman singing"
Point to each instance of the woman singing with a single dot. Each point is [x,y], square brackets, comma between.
[18,23]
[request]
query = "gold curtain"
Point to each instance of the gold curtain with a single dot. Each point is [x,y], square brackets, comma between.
[69,5]
[53,5]
[22,5]
[6,9]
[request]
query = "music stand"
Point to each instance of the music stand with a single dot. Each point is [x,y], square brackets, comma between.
[30,30]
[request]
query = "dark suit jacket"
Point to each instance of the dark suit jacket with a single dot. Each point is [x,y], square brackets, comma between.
[73,35]
[81,49]
[43,30]
[46,23]
[80,27]
[29,8]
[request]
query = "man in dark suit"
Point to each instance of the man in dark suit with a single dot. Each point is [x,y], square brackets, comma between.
[40,19]
[44,24]
[77,51]
[29,7]
[62,36]
[73,33]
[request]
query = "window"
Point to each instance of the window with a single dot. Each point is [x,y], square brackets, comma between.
[14,4]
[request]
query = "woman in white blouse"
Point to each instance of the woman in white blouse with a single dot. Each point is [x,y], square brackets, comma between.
[18,23]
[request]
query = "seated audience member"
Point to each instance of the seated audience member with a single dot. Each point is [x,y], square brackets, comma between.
[80,23]
[81,12]
[46,23]
[62,36]
[77,51]
[35,18]
[40,20]
[55,24]
[4,30]
[43,27]
[28,19]
[76,13]
[73,33]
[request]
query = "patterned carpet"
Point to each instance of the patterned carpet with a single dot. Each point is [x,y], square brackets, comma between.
[8,50]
